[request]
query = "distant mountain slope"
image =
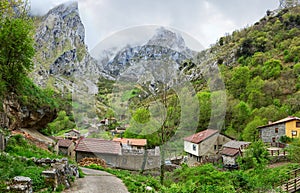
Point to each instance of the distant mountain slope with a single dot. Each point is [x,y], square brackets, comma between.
[61,52]
[261,71]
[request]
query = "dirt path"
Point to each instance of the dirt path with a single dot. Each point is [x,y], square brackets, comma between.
[97,181]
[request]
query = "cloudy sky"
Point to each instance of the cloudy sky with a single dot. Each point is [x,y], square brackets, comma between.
[203,20]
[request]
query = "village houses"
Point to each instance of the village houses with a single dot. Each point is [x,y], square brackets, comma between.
[205,144]
[289,126]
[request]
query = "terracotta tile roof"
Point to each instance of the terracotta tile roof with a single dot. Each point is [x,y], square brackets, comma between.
[287,119]
[135,142]
[236,144]
[229,151]
[64,143]
[98,146]
[201,136]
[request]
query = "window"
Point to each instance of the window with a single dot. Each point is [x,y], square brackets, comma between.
[294,133]
[215,147]
[194,147]
[276,130]
[297,124]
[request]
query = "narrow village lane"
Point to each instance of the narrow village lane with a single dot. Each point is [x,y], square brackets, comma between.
[97,181]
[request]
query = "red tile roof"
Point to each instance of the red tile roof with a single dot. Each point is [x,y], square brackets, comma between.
[98,146]
[201,136]
[287,119]
[135,142]
[229,151]
[64,143]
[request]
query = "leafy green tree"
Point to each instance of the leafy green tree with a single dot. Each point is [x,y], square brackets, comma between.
[250,133]
[293,151]
[256,156]
[62,122]
[239,81]
[16,44]
[242,113]
[271,69]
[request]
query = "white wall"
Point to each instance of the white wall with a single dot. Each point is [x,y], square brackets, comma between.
[188,147]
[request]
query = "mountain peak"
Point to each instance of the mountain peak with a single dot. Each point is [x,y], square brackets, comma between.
[65,9]
[167,38]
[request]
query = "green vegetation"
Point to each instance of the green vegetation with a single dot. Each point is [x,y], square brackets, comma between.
[262,81]
[205,178]
[61,123]
[14,163]
[18,146]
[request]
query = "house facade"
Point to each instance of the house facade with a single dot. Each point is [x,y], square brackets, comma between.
[115,156]
[272,132]
[128,143]
[66,147]
[72,134]
[204,144]
[231,150]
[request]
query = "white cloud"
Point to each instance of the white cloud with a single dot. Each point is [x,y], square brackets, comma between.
[204,20]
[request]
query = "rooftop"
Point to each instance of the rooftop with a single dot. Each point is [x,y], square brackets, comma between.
[98,146]
[236,144]
[201,136]
[287,119]
[135,142]
[229,151]
[64,143]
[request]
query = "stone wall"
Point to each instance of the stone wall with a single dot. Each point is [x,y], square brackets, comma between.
[60,173]
[21,184]
[268,133]
[130,160]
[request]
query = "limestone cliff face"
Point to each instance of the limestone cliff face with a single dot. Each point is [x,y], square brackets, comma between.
[61,53]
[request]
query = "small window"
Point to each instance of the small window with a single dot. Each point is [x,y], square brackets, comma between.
[276,130]
[194,147]
[297,124]
[294,133]
[273,139]
[215,147]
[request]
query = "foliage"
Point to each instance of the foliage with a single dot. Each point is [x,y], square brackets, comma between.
[18,146]
[62,122]
[255,156]
[250,133]
[16,40]
[293,150]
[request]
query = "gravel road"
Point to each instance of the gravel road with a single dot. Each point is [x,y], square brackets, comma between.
[97,181]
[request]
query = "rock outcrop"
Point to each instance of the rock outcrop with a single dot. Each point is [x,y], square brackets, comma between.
[61,51]
[16,116]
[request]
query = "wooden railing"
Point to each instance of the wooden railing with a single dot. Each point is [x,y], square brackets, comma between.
[293,182]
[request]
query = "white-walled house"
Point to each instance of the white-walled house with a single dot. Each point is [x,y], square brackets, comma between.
[204,144]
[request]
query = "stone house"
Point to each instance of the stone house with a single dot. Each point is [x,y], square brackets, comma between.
[128,143]
[72,134]
[205,144]
[289,126]
[231,150]
[66,147]
[92,147]
[116,156]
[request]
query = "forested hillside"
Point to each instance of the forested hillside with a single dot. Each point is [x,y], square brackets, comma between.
[261,70]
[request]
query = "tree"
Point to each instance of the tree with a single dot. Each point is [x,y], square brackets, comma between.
[256,156]
[16,43]
[250,133]
[293,151]
[239,81]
